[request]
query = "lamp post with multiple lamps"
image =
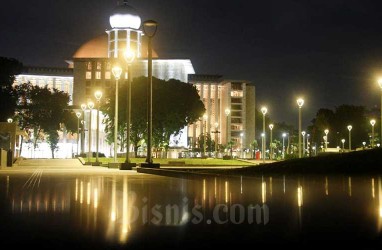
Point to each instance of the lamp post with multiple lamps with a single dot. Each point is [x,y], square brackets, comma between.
[270,142]
[303,133]
[149,29]
[300,103]
[372,123]
[264,111]
[98,96]
[78,114]
[350,127]
[380,85]
[129,58]
[326,131]
[117,71]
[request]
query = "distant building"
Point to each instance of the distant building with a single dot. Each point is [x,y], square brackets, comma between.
[90,70]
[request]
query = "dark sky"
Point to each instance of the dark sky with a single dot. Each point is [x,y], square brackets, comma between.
[328,51]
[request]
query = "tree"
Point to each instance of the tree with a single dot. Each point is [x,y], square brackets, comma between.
[175,105]
[41,110]
[9,67]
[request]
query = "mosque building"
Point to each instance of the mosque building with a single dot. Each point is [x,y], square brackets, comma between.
[90,69]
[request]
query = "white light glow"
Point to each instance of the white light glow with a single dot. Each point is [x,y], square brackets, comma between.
[125,21]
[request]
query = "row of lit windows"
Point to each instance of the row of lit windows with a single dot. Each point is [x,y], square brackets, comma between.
[89,66]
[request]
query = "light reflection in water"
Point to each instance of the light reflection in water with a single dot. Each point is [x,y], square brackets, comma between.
[326,186]
[76,190]
[125,211]
[95,198]
[113,215]
[380,196]
[81,192]
[88,194]
[349,185]
[204,189]
[372,188]
[226,191]
[300,198]
[264,192]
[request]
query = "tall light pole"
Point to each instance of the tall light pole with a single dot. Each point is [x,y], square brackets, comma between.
[90,106]
[380,85]
[241,144]
[98,96]
[78,114]
[326,131]
[264,110]
[308,145]
[129,58]
[283,151]
[216,139]
[227,111]
[303,142]
[270,142]
[117,71]
[83,124]
[372,123]
[205,118]
[350,127]
[343,144]
[149,29]
[300,103]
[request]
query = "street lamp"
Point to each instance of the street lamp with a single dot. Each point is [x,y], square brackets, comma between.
[149,29]
[98,96]
[227,112]
[9,120]
[300,103]
[264,110]
[205,117]
[350,127]
[78,114]
[270,142]
[364,144]
[380,85]
[284,134]
[129,58]
[216,139]
[241,142]
[83,124]
[303,142]
[343,144]
[326,131]
[117,71]
[90,106]
[372,122]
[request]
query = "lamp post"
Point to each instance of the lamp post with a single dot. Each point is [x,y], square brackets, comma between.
[83,124]
[78,114]
[350,127]
[326,131]
[264,110]
[283,151]
[129,58]
[308,145]
[98,96]
[372,123]
[241,144]
[117,71]
[343,144]
[205,117]
[380,85]
[227,112]
[300,103]
[303,133]
[90,106]
[364,144]
[270,142]
[149,29]
[216,139]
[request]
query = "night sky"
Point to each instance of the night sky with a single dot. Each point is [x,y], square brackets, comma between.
[328,51]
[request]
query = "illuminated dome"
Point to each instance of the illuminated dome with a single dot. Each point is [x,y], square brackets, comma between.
[94,48]
[97,48]
[125,16]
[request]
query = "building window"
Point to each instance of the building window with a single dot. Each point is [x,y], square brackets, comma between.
[237,93]
[107,75]
[98,75]
[99,65]
[89,66]
[108,66]
[88,75]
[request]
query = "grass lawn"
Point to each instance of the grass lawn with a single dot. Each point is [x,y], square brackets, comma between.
[208,161]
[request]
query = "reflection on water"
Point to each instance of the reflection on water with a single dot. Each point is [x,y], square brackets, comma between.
[119,208]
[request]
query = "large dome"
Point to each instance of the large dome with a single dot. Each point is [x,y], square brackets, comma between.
[125,16]
[97,48]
